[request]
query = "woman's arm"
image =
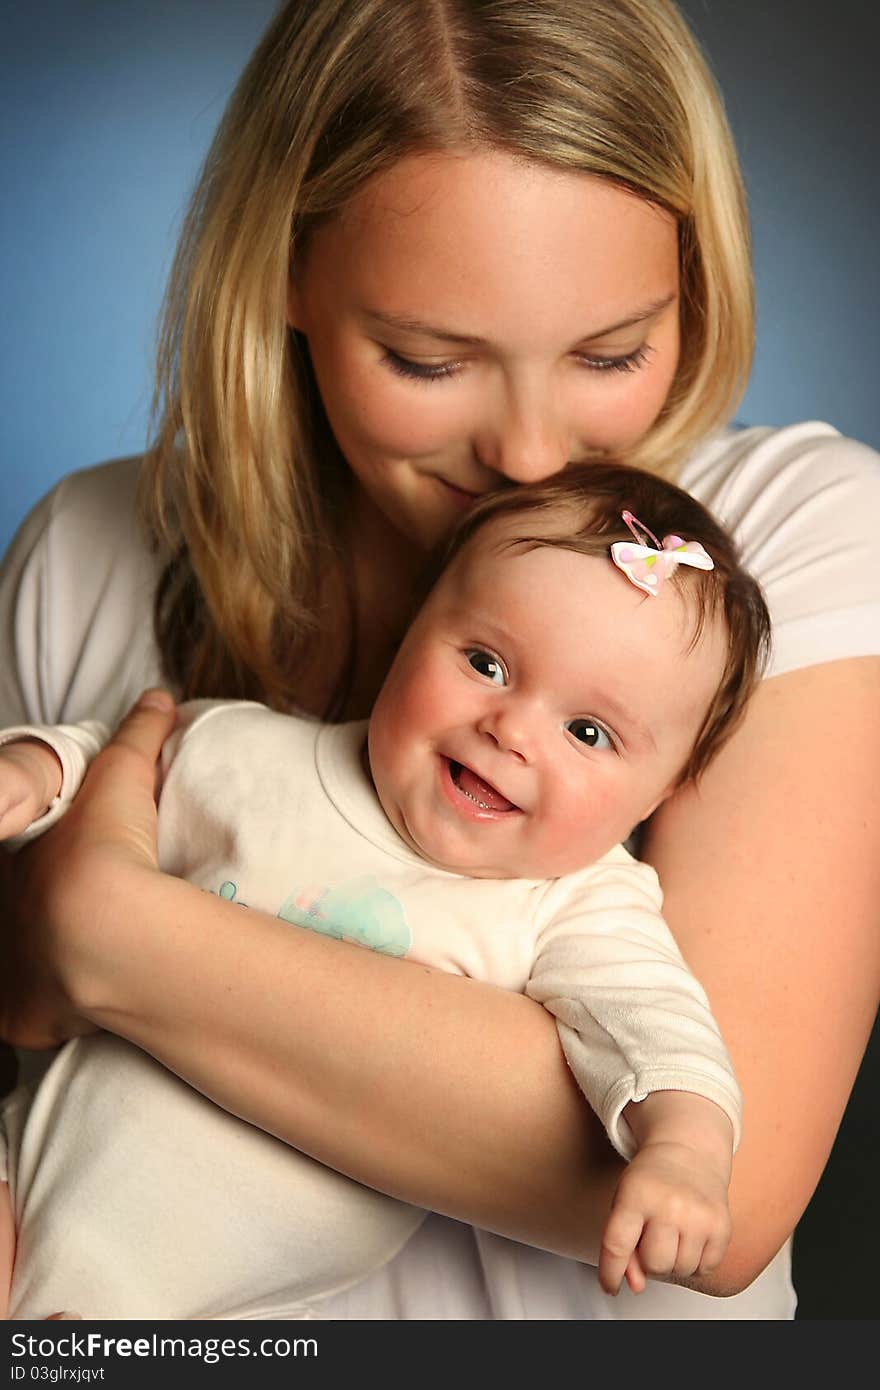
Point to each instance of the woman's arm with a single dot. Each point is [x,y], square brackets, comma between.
[453,1094]
[447,1092]
[7,1248]
[771,875]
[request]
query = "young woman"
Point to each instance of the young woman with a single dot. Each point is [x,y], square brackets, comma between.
[439,250]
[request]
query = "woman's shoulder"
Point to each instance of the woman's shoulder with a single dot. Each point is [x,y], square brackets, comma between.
[86,517]
[749,475]
[802,503]
[76,595]
[104,495]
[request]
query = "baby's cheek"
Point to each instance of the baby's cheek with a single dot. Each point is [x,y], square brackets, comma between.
[584,828]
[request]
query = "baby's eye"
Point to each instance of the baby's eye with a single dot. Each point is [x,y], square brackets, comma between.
[588,732]
[487,665]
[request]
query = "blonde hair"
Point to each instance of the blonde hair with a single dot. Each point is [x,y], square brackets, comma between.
[244,486]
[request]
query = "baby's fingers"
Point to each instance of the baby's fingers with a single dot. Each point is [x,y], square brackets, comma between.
[703,1244]
[14,822]
[658,1248]
[15,815]
[635,1275]
[619,1242]
[30,777]
[714,1251]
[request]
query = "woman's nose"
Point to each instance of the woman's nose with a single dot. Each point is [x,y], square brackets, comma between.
[525,445]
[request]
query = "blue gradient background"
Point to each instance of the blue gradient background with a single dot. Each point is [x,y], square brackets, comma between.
[106,109]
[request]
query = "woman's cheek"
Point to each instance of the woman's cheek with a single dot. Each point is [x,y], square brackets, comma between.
[417,420]
[623,414]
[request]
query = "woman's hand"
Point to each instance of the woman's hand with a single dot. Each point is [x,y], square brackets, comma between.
[105,940]
[57,891]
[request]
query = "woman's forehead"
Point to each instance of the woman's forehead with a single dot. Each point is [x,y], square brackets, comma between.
[465,234]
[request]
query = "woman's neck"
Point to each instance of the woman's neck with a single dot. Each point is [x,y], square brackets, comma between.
[386,573]
[368,604]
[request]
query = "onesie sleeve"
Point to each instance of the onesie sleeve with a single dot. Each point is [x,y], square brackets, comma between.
[632,1018]
[75,747]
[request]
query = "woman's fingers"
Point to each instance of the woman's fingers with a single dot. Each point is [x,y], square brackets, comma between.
[147,724]
[115,811]
[68,885]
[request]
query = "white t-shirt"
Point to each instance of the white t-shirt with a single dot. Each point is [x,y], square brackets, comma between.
[193,1215]
[75,618]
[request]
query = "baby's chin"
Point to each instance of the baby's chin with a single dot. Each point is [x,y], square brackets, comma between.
[513,861]
[466,867]
[518,865]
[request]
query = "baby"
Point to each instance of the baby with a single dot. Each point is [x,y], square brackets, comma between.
[567,672]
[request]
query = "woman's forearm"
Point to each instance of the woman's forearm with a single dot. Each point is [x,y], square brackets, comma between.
[441,1090]
[771,877]
[447,1092]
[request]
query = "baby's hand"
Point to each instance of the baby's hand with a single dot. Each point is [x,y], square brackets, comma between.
[670,1214]
[669,1217]
[30,779]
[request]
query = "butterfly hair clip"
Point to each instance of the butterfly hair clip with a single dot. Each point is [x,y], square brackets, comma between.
[648,566]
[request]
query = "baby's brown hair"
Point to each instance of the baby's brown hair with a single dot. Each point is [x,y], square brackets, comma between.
[588,500]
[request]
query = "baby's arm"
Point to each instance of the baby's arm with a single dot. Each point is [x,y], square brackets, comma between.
[640,1038]
[670,1213]
[30,780]
[41,770]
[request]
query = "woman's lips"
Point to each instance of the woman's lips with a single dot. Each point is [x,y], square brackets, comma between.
[471,795]
[459,495]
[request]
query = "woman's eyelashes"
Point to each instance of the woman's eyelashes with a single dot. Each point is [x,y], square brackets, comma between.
[629,362]
[419,371]
[439,371]
[487,665]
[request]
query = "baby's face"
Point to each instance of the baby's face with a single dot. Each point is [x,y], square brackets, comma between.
[539,708]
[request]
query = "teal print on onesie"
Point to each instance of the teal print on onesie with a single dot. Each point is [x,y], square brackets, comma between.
[361,911]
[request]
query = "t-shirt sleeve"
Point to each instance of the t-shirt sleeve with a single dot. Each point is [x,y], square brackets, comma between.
[803,504]
[76,595]
[632,1018]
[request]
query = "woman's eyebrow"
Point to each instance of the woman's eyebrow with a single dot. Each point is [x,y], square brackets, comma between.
[649,311]
[425,330]
[449,335]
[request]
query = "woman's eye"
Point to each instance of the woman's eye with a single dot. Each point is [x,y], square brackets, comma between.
[419,371]
[630,362]
[487,666]
[588,732]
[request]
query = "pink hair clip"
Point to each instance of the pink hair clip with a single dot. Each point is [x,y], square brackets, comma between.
[648,567]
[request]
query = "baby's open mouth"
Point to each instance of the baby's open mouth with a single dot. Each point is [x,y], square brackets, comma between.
[477,790]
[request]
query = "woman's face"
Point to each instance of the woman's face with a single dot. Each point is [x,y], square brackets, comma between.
[476,320]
